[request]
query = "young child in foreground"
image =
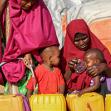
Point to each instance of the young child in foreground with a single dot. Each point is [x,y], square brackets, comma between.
[92,58]
[48,75]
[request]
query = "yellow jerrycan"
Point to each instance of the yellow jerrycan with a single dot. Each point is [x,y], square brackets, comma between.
[11,103]
[86,102]
[47,102]
[108,102]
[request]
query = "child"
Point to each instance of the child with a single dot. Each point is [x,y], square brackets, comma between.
[47,74]
[92,58]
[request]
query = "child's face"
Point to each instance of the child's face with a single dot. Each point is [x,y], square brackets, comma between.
[91,60]
[55,57]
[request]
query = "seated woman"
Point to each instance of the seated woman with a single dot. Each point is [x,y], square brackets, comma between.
[78,40]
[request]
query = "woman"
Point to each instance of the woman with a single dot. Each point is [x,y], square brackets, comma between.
[31,28]
[79,39]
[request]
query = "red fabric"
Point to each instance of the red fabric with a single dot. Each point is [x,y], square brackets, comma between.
[48,81]
[14,70]
[1,76]
[29,31]
[70,51]
[1,79]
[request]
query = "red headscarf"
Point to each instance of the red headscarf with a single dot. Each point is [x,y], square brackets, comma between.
[70,51]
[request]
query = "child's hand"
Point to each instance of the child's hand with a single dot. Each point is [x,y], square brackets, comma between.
[79,93]
[75,92]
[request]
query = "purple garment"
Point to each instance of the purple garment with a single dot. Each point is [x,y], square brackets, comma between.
[29,31]
[25,103]
[108,80]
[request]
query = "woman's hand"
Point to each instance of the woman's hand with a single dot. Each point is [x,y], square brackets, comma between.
[97,69]
[28,60]
[72,63]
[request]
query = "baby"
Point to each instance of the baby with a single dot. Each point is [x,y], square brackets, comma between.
[92,58]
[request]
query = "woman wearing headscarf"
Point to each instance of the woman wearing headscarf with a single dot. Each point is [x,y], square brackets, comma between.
[31,28]
[78,40]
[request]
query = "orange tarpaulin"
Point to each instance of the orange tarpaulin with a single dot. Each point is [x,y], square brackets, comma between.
[102,29]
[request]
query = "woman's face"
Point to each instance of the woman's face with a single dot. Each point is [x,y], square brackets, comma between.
[81,41]
[27,4]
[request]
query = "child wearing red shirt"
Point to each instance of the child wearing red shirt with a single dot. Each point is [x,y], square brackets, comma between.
[48,75]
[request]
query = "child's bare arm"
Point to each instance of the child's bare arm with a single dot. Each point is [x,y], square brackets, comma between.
[61,89]
[30,86]
[67,74]
[29,93]
[96,85]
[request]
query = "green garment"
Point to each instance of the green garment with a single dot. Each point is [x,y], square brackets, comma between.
[22,84]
